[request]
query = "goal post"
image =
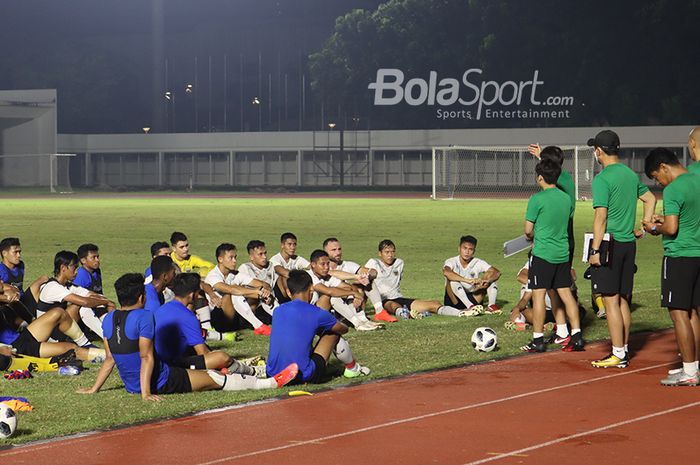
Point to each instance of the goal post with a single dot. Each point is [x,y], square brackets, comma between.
[462,172]
[37,170]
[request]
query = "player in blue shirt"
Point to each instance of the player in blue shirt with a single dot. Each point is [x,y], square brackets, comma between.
[163,274]
[12,274]
[89,276]
[157,249]
[294,326]
[128,341]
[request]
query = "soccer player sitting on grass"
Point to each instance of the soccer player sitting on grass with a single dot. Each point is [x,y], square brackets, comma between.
[12,274]
[680,276]
[260,268]
[330,292]
[32,341]
[236,290]
[157,249]
[128,338]
[469,279]
[295,324]
[284,262]
[163,271]
[179,338]
[389,271]
[546,220]
[337,265]
[89,277]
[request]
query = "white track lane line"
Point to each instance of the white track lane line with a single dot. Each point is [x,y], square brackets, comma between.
[430,415]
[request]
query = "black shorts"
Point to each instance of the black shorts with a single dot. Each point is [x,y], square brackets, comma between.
[178,382]
[680,282]
[459,305]
[403,301]
[222,323]
[319,373]
[26,344]
[192,362]
[617,277]
[544,275]
[280,295]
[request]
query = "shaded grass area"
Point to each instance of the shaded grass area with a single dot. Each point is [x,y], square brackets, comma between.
[425,232]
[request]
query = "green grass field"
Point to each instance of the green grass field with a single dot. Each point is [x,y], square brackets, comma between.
[426,233]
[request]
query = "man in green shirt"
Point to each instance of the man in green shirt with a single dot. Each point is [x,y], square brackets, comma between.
[615,193]
[546,220]
[694,150]
[680,270]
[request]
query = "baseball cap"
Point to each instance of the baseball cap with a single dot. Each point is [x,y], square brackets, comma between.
[606,139]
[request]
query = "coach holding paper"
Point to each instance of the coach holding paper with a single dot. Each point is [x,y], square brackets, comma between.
[615,193]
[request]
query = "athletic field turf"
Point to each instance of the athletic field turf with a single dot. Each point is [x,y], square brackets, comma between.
[425,232]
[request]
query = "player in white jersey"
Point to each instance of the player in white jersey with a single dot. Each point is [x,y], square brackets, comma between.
[388,282]
[260,268]
[284,262]
[337,265]
[468,279]
[331,292]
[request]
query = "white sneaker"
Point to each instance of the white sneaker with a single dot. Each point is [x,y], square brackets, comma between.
[366,326]
[260,371]
[359,370]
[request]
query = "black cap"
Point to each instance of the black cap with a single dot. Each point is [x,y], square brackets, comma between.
[606,139]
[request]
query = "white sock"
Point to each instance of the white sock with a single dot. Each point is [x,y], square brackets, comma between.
[346,310]
[537,335]
[461,294]
[91,321]
[576,331]
[690,369]
[696,365]
[492,293]
[626,348]
[204,316]
[376,298]
[343,352]
[449,311]
[619,352]
[562,330]
[243,309]
[269,308]
[236,382]
[520,318]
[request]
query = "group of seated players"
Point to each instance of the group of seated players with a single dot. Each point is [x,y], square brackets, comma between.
[157,334]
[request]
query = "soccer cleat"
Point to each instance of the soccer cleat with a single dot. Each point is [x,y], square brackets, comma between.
[493,310]
[403,313]
[575,344]
[385,316]
[287,375]
[562,341]
[214,335]
[262,330]
[367,326]
[516,326]
[680,379]
[611,361]
[252,361]
[260,371]
[358,370]
[474,310]
[601,313]
[534,346]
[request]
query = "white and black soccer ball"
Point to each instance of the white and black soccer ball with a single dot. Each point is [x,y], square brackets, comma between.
[484,339]
[8,421]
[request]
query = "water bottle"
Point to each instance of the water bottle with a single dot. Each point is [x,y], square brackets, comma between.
[68,370]
[403,313]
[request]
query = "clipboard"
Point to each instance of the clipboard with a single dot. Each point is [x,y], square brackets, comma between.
[516,245]
[606,248]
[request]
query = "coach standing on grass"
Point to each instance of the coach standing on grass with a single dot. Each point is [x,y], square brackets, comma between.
[680,270]
[615,193]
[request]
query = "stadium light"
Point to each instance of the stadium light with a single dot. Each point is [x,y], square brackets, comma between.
[169,95]
[146,129]
[189,88]
[256,101]
[331,125]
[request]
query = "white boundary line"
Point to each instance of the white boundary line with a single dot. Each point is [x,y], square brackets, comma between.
[585,433]
[430,415]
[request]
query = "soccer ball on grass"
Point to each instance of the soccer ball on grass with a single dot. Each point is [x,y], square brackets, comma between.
[484,339]
[8,421]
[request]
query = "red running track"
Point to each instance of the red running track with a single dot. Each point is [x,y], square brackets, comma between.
[537,409]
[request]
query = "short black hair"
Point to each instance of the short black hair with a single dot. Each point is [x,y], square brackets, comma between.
[254,244]
[554,153]
[161,265]
[156,246]
[129,288]
[287,235]
[176,237]
[185,283]
[329,240]
[549,170]
[468,239]
[8,242]
[85,249]
[223,248]
[659,155]
[64,258]
[385,244]
[317,254]
[298,281]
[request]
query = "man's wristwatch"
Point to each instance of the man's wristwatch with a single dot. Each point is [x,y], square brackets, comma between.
[595,251]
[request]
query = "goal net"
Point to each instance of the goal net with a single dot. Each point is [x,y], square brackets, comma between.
[502,172]
[37,170]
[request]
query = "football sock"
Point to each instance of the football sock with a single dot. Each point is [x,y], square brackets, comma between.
[25,362]
[690,369]
[346,310]
[97,354]
[520,318]
[376,298]
[562,330]
[76,334]
[240,368]
[449,311]
[343,352]
[204,316]
[91,321]
[537,335]
[575,331]
[244,310]
[236,382]
[461,294]
[696,365]
[619,352]
[626,348]
[599,303]
[492,293]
